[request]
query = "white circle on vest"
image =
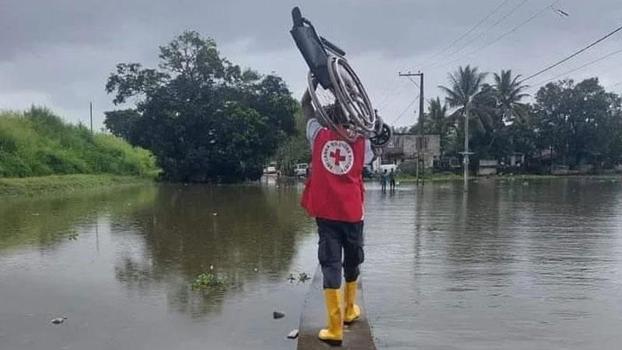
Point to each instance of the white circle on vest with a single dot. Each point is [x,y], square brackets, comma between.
[337,157]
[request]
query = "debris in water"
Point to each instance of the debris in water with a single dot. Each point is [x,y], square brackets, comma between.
[58,320]
[255,269]
[214,214]
[291,278]
[293,334]
[303,277]
[276,315]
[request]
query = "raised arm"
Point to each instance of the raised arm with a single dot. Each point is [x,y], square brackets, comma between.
[307,106]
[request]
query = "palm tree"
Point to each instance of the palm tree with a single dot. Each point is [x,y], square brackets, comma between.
[437,120]
[471,97]
[437,116]
[509,93]
[467,87]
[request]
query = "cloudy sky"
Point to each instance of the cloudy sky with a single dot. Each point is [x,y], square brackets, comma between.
[58,53]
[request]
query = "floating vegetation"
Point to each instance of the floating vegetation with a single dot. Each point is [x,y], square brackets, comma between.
[207,280]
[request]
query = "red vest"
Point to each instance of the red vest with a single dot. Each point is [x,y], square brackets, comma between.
[335,189]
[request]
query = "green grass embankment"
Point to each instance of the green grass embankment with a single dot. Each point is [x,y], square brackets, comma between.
[39,153]
[39,143]
[53,184]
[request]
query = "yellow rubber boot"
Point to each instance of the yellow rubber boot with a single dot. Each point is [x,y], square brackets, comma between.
[333,334]
[353,311]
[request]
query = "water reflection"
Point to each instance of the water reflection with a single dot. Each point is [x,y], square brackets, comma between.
[508,265]
[241,234]
[120,264]
[50,220]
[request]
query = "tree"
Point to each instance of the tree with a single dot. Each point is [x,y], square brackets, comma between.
[438,122]
[512,131]
[581,123]
[121,123]
[509,93]
[204,118]
[467,86]
[295,149]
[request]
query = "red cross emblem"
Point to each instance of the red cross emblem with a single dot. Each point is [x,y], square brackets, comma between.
[337,157]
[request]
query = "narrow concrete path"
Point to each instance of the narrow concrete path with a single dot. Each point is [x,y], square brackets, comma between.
[356,336]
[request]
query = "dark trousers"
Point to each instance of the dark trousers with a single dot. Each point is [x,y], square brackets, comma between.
[337,237]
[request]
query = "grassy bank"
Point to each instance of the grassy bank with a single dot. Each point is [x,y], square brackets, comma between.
[55,184]
[39,143]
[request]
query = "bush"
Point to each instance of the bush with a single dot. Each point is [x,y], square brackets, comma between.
[38,143]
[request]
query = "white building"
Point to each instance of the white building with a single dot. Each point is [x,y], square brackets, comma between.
[404,147]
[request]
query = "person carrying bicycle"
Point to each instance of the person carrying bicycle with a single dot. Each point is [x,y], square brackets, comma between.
[334,196]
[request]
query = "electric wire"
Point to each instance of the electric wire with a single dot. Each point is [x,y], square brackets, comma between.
[580,67]
[457,39]
[576,53]
[405,110]
[488,29]
[500,37]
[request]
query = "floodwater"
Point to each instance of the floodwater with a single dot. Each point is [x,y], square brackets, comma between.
[509,265]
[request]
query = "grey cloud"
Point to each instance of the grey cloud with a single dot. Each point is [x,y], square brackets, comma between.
[59,52]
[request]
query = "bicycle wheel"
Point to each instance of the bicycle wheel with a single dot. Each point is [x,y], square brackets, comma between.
[322,99]
[352,95]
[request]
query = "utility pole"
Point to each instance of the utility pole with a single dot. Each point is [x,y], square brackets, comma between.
[421,102]
[466,145]
[91,114]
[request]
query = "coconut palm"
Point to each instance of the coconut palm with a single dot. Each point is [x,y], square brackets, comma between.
[437,116]
[509,93]
[437,121]
[467,87]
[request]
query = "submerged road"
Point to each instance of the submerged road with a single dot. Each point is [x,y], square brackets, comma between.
[355,336]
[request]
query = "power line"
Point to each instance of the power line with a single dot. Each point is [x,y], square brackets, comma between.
[515,28]
[496,40]
[573,55]
[383,102]
[466,44]
[406,109]
[456,40]
[580,67]
[613,85]
[413,81]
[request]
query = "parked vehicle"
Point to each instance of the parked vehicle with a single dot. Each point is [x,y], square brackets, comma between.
[270,169]
[301,169]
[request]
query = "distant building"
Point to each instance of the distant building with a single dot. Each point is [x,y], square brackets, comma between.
[403,147]
[487,167]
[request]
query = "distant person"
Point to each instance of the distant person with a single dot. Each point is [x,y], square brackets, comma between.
[334,196]
[383,180]
[392,180]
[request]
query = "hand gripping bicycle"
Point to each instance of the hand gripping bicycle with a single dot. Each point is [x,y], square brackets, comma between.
[333,84]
